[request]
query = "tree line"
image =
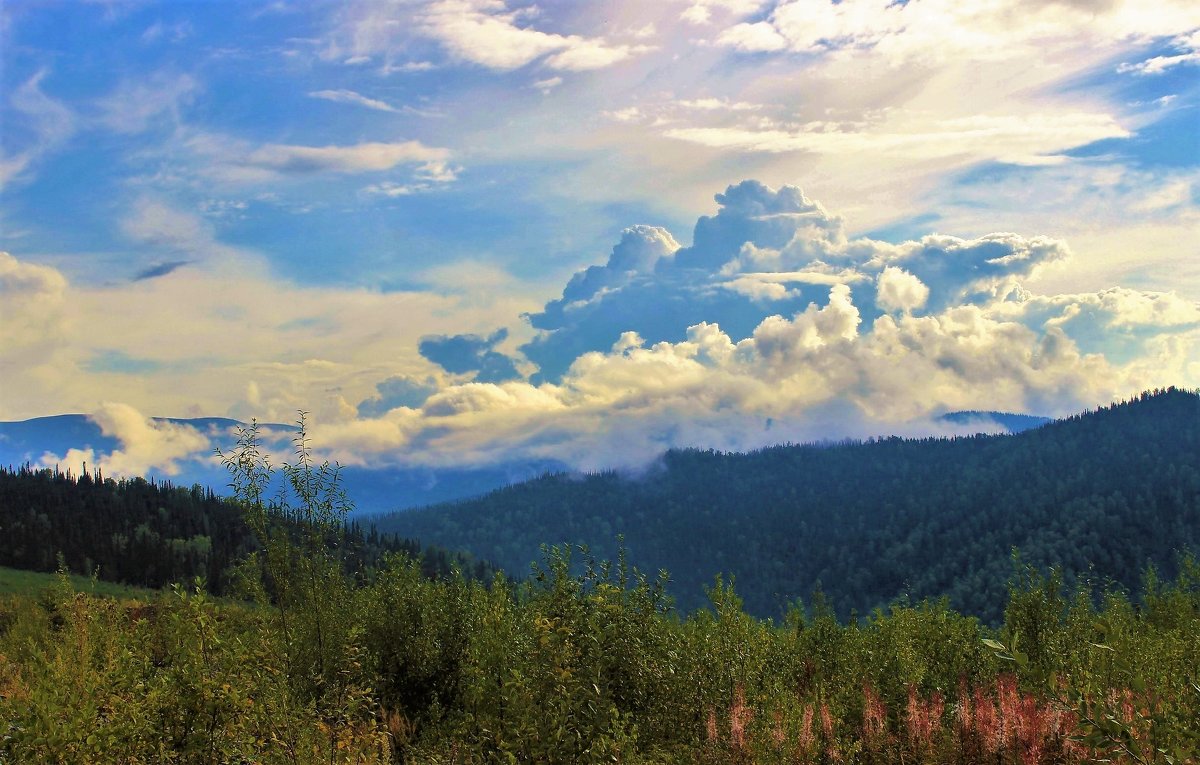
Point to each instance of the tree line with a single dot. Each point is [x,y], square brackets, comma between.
[151,533]
[1101,495]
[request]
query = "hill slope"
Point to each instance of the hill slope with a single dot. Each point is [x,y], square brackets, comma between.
[147,533]
[1113,489]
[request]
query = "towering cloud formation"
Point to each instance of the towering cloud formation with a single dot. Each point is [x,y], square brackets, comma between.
[774,325]
[770,252]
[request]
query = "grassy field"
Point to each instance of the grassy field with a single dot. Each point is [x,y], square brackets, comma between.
[16,582]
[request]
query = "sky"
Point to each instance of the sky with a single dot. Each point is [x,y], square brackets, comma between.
[465,232]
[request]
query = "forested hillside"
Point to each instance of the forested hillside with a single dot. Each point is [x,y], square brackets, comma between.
[1101,494]
[149,533]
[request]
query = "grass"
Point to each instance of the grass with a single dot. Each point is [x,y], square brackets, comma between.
[31,583]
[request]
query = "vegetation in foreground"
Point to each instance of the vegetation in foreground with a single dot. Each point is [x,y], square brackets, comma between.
[576,667]
[592,668]
[19,582]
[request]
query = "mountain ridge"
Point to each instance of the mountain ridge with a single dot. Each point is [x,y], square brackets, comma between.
[1102,494]
[375,490]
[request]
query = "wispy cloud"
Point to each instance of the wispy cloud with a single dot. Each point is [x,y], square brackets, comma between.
[1189,47]
[160,269]
[1028,140]
[240,161]
[484,33]
[37,124]
[136,104]
[350,97]
[358,158]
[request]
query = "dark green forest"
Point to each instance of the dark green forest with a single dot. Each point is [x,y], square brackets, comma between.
[152,534]
[1102,495]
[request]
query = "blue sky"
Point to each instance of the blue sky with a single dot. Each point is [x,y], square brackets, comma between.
[463,231]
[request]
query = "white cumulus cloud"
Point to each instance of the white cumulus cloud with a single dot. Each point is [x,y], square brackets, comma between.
[844,338]
[898,290]
[147,445]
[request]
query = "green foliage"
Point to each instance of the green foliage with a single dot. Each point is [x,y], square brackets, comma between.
[1128,675]
[152,534]
[596,667]
[317,635]
[17,582]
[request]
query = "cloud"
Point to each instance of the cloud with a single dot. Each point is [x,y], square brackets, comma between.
[199,337]
[869,338]
[394,190]
[484,33]
[116,362]
[407,66]
[759,37]
[350,97]
[36,123]
[1189,47]
[818,374]
[395,392]
[718,104]
[32,303]
[154,222]
[889,113]
[1032,139]
[480,33]
[1160,64]
[230,160]
[174,33]
[165,229]
[359,158]
[548,84]
[773,325]
[160,269]
[136,105]
[898,290]
[938,31]
[465,354]
[762,246]
[631,264]
[147,446]
[701,11]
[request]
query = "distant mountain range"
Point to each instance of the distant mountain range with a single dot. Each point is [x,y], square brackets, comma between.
[373,491]
[1102,494]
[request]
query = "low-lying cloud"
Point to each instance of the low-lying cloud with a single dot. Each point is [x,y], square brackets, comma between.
[147,445]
